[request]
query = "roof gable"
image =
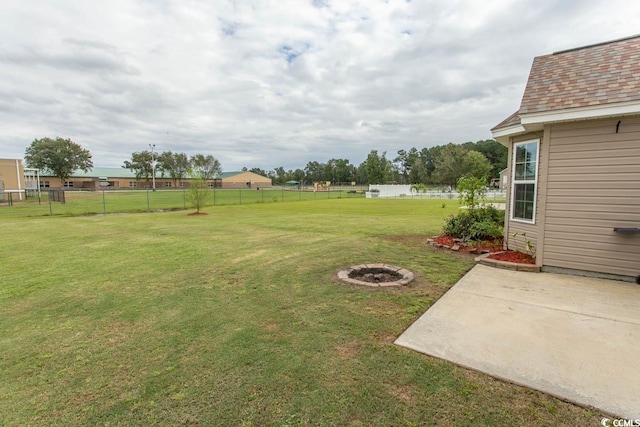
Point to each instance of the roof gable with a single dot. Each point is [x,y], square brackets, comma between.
[589,76]
[601,80]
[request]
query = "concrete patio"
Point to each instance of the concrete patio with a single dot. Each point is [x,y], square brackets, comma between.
[573,337]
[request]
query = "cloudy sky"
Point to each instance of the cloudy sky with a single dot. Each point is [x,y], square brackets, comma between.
[268,83]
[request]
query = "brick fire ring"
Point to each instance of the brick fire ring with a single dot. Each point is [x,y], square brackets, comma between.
[376,275]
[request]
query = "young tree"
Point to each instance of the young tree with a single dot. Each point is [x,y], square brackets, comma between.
[141,164]
[198,192]
[60,157]
[472,191]
[207,166]
[175,164]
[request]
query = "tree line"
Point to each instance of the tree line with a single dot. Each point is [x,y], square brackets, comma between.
[441,165]
[176,166]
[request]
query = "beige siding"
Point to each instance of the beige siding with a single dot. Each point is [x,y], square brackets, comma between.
[593,186]
[11,174]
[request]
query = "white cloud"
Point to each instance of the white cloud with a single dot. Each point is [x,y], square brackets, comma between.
[271,83]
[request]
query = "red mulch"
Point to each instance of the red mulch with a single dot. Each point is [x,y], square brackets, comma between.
[494,245]
[513,256]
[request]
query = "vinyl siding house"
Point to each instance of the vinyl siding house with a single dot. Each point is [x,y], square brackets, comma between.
[574,161]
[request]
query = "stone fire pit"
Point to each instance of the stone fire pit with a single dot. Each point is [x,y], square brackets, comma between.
[376,275]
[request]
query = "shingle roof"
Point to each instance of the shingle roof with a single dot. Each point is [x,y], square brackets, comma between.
[588,76]
[512,120]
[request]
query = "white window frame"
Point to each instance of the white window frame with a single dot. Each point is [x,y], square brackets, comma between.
[524,181]
[68,184]
[133,184]
[167,184]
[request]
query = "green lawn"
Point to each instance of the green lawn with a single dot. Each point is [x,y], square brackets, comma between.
[118,201]
[235,318]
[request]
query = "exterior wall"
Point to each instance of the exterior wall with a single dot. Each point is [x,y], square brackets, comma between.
[593,186]
[11,174]
[241,180]
[511,227]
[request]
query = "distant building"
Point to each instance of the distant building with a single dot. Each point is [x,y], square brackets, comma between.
[121,178]
[15,179]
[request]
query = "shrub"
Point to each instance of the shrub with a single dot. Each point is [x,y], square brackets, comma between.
[477,224]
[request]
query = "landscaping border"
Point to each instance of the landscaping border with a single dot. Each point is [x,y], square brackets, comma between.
[484,260]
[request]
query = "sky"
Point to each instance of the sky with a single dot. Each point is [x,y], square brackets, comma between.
[270,83]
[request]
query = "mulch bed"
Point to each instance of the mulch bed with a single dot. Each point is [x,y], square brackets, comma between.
[471,247]
[494,247]
[513,256]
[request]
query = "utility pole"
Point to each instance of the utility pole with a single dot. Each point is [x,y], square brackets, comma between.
[153,165]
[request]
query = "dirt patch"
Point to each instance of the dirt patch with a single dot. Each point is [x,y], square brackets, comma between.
[348,350]
[404,393]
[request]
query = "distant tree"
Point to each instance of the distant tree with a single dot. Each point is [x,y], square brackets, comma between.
[140,164]
[476,165]
[400,166]
[449,164]
[207,167]
[298,175]
[60,157]
[176,165]
[418,172]
[453,161]
[377,167]
[198,192]
[495,153]
[257,171]
[281,175]
[315,172]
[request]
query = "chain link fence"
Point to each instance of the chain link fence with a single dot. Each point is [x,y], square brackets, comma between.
[105,201]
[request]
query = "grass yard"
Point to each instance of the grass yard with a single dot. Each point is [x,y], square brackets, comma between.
[119,201]
[235,318]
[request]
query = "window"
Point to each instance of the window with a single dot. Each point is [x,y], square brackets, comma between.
[68,184]
[44,184]
[133,184]
[167,184]
[525,179]
[210,184]
[183,184]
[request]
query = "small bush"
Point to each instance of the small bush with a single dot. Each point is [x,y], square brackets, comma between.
[477,224]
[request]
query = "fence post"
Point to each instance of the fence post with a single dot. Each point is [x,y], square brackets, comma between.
[240,195]
[184,198]
[148,205]
[262,194]
[282,190]
[214,194]
[50,208]
[104,204]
